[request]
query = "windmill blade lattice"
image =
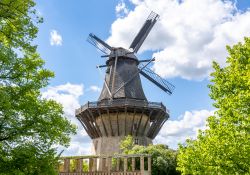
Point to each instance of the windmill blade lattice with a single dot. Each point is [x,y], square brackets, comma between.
[157,80]
[143,33]
[99,44]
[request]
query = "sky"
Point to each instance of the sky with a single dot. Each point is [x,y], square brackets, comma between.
[188,37]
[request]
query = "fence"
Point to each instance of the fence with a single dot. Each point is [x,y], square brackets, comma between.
[136,164]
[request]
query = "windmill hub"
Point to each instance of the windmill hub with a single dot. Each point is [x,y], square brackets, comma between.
[122,108]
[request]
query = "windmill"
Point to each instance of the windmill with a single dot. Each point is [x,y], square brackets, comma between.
[122,108]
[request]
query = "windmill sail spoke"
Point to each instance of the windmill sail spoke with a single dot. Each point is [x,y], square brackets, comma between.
[157,80]
[143,33]
[99,44]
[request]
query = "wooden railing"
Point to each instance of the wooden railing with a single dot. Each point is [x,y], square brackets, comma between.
[122,102]
[106,165]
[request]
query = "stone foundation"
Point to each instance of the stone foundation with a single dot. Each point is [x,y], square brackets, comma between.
[111,145]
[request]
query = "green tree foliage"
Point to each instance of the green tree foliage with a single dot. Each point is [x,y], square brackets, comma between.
[18,23]
[163,159]
[73,165]
[127,144]
[30,126]
[224,148]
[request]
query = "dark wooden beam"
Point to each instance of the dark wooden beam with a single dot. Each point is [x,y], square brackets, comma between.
[94,120]
[157,124]
[79,118]
[105,130]
[154,124]
[117,122]
[158,130]
[110,124]
[138,127]
[125,121]
[133,122]
[91,124]
[86,122]
[150,129]
[145,125]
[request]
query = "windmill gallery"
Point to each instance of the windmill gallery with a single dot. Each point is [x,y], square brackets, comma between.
[122,108]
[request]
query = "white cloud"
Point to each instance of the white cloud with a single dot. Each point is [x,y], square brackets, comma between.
[77,149]
[177,131]
[121,9]
[190,34]
[136,2]
[94,88]
[55,38]
[68,95]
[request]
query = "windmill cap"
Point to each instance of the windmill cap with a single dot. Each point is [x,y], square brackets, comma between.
[121,52]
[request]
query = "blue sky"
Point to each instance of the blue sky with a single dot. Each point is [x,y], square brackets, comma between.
[188,37]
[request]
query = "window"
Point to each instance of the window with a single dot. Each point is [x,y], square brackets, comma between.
[136,141]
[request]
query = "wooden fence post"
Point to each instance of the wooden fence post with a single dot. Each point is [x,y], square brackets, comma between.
[149,165]
[142,164]
[90,164]
[94,164]
[118,164]
[133,163]
[66,165]
[109,164]
[125,165]
[79,165]
[100,164]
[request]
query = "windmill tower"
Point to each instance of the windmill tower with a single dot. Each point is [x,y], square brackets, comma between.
[122,108]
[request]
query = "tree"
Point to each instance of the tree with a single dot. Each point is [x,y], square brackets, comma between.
[163,159]
[224,148]
[30,127]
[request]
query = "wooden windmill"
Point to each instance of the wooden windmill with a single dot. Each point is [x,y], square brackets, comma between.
[122,108]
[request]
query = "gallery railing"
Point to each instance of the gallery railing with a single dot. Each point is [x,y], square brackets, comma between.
[122,102]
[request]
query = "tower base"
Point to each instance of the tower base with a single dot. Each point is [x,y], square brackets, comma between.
[111,145]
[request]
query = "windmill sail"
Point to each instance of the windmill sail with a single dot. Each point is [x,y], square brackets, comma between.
[99,44]
[143,33]
[157,80]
